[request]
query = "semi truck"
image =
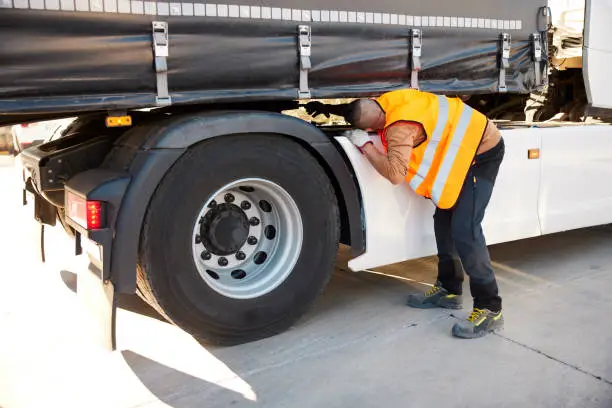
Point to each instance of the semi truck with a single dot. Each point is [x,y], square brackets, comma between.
[188,178]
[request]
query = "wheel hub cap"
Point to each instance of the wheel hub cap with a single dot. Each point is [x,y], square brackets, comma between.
[224,229]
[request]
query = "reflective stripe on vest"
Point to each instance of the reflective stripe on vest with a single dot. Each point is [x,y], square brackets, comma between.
[451,153]
[432,144]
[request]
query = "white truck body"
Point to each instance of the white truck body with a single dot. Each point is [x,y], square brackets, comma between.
[567,187]
[597,52]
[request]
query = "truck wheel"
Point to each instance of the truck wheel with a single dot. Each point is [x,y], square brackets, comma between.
[239,238]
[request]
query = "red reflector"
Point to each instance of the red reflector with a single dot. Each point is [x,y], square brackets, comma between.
[88,214]
[94,215]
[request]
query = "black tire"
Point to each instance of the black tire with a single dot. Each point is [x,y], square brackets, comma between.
[544,113]
[168,278]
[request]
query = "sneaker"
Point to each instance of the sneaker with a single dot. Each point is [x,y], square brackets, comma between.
[437,296]
[479,323]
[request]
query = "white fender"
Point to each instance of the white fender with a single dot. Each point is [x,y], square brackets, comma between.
[398,222]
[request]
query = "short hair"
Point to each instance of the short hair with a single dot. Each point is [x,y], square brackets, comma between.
[360,113]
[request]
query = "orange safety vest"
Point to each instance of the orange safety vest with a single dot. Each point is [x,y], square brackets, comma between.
[439,165]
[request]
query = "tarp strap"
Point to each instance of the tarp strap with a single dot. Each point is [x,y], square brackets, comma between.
[160,54]
[504,60]
[415,53]
[536,42]
[304,49]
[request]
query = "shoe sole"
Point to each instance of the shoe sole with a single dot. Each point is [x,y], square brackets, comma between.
[453,306]
[456,333]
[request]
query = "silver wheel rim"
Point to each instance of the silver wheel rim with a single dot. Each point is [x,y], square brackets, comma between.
[255,267]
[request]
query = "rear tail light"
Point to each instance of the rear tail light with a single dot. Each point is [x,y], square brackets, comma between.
[25,125]
[87,213]
[94,215]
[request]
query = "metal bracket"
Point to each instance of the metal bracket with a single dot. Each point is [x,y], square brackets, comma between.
[416,42]
[504,60]
[536,39]
[304,48]
[160,54]
[543,18]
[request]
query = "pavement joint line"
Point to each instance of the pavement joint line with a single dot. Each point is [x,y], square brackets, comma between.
[565,363]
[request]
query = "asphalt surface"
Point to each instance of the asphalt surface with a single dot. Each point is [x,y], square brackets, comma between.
[359,347]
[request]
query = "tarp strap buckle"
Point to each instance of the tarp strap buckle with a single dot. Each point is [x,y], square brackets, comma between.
[160,54]
[504,60]
[536,40]
[304,48]
[415,54]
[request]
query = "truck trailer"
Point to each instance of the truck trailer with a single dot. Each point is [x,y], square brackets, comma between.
[187,178]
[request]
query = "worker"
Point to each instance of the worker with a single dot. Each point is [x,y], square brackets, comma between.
[449,153]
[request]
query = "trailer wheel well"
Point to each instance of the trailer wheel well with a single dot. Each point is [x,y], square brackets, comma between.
[147,152]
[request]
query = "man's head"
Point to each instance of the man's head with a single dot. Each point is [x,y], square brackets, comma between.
[366,114]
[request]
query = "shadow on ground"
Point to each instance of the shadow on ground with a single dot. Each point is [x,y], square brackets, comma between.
[132,303]
[178,389]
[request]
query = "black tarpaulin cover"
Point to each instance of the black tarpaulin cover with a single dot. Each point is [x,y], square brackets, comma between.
[96,55]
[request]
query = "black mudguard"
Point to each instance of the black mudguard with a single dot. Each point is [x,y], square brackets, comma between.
[95,290]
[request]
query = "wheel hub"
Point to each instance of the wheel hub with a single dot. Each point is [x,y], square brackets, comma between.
[224,229]
[247,238]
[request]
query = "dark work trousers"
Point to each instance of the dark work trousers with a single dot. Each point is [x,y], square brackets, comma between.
[459,234]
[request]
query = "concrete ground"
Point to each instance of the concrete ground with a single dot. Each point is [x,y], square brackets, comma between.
[359,347]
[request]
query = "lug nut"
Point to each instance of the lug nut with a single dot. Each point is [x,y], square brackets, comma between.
[223,261]
[265,206]
[260,258]
[252,240]
[205,255]
[254,221]
[241,256]
[229,198]
[212,204]
[270,232]
[198,239]
[245,205]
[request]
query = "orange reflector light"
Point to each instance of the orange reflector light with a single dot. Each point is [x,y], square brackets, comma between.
[88,214]
[533,154]
[118,121]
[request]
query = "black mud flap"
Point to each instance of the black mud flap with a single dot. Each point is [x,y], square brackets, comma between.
[99,299]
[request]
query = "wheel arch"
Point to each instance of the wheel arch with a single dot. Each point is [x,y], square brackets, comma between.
[149,151]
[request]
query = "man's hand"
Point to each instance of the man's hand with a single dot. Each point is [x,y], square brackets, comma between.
[317,108]
[358,137]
